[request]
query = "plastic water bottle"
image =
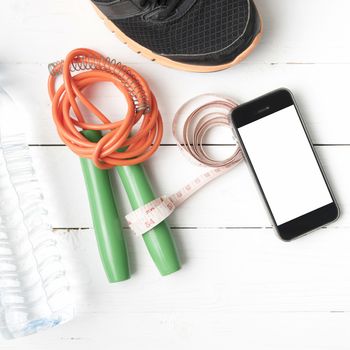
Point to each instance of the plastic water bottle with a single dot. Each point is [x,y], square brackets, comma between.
[34,291]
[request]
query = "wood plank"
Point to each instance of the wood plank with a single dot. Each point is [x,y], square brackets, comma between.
[232,201]
[263,331]
[223,271]
[238,289]
[315,31]
[324,107]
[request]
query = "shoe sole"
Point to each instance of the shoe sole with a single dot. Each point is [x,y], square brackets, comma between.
[133,45]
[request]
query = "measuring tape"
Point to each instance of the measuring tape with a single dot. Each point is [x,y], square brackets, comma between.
[190,126]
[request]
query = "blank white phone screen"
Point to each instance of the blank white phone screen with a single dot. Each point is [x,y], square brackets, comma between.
[285,165]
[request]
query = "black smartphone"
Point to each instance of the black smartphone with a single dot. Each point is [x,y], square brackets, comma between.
[278,149]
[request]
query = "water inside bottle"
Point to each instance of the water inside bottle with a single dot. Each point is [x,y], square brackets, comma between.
[34,290]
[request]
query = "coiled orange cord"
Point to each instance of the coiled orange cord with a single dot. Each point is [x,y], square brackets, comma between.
[142,107]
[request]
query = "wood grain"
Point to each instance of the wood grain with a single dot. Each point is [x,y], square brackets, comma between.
[230,201]
[240,286]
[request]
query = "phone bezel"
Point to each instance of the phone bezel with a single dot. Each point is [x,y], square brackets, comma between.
[257,109]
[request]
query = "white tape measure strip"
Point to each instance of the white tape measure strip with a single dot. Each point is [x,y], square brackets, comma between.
[153,213]
[207,111]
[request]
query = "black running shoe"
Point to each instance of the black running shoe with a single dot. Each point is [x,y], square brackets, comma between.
[193,35]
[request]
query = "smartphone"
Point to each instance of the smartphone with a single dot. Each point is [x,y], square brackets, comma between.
[280,154]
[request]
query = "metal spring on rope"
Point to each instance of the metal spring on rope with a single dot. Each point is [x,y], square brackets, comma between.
[106,64]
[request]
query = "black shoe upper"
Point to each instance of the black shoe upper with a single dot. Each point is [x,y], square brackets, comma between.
[203,32]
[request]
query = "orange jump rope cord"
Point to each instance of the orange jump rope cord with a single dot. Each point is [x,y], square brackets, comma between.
[138,145]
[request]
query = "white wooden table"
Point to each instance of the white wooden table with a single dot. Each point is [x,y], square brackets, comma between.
[240,286]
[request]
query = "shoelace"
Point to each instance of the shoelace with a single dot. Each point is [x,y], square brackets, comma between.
[170,6]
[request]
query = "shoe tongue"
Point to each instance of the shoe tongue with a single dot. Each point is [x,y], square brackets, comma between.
[136,2]
[119,9]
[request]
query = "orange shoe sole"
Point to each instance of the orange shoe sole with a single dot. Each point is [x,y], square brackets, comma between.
[133,45]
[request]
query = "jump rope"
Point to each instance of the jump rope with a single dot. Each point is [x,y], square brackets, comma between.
[125,144]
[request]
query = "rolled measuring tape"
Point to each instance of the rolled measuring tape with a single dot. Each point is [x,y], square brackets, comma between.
[191,124]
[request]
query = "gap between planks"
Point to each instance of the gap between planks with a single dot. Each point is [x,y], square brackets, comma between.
[204,144]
